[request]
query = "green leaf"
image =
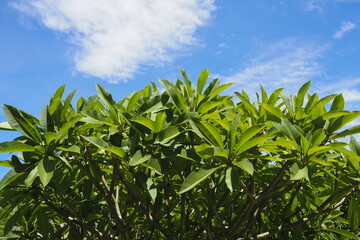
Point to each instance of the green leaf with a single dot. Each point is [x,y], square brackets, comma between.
[274,96]
[338,103]
[205,151]
[211,133]
[233,132]
[288,129]
[202,80]
[274,111]
[6,126]
[347,132]
[187,81]
[13,220]
[167,135]
[264,96]
[55,101]
[99,142]
[207,106]
[22,122]
[174,95]
[133,101]
[151,189]
[102,144]
[218,90]
[107,99]
[253,142]
[138,158]
[245,165]
[65,128]
[31,177]
[354,145]
[196,178]
[154,165]
[353,157]
[67,102]
[6,163]
[354,213]
[229,179]
[46,169]
[301,95]
[116,150]
[99,118]
[344,233]
[159,121]
[147,123]
[10,236]
[249,133]
[7,179]
[15,147]
[43,222]
[301,174]
[149,105]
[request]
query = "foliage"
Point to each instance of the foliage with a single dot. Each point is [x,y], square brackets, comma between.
[183,163]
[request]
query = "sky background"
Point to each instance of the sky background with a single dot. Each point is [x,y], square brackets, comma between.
[125,44]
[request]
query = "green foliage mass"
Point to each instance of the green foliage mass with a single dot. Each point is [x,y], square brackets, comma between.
[183,163]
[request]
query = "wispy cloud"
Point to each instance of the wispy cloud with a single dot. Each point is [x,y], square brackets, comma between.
[348,87]
[287,63]
[313,5]
[118,38]
[344,28]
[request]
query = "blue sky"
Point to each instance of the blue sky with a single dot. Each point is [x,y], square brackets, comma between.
[125,44]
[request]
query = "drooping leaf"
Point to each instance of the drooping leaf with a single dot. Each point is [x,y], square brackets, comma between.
[229,179]
[15,147]
[167,135]
[245,165]
[147,123]
[31,177]
[46,169]
[354,213]
[302,173]
[347,132]
[138,158]
[196,178]
[344,233]
[7,179]
[22,122]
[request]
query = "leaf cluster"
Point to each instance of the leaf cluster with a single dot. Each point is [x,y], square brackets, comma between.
[183,163]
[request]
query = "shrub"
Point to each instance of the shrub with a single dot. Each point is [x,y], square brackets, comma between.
[183,163]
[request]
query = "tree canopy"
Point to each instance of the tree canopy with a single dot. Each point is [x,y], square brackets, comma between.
[185,162]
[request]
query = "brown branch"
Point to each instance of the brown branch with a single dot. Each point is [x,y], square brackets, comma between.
[317,213]
[113,206]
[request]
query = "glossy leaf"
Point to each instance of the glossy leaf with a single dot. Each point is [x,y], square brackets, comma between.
[245,165]
[196,178]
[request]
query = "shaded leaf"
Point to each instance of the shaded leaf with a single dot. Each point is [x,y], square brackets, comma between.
[196,178]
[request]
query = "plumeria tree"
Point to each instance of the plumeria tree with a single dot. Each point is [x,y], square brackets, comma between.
[183,163]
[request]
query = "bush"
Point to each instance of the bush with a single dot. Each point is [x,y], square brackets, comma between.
[183,163]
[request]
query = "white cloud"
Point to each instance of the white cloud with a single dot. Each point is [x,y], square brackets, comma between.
[223,45]
[287,63]
[312,5]
[348,87]
[344,28]
[351,94]
[118,38]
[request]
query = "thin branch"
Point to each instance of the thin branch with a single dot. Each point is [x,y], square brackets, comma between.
[317,213]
